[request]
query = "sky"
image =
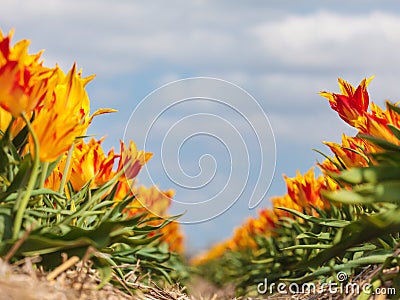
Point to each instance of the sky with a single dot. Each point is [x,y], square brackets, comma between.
[251,111]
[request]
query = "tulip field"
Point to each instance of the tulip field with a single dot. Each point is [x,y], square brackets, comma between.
[64,199]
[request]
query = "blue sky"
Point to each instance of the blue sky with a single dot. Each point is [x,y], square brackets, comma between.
[281,52]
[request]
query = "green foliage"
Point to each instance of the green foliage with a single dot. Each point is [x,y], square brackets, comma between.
[360,229]
[88,224]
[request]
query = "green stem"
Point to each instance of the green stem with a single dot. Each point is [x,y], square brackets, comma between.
[23,203]
[6,138]
[66,169]
[43,175]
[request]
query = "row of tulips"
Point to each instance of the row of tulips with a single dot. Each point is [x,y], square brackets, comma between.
[303,194]
[88,163]
[302,237]
[51,177]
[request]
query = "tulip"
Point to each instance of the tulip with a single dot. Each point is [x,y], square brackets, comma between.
[352,103]
[23,79]
[376,123]
[90,163]
[304,190]
[352,152]
[153,199]
[63,116]
[132,160]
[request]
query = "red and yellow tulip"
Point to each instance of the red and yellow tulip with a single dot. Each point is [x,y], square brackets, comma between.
[90,163]
[23,79]
[352,103]
[154,199]
[352,152]
[63,116]
[376,123]
[304,190]
[132,160]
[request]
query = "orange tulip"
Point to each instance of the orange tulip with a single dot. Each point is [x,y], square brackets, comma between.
[330,184]
[352,103]
[243,237]
[375,123]
[156,203]
[285,201]
[347,152]
[5,119]
[54,180]
[123,191]
[23,79]
[214,252]
[90,163]
[132,160]
[327,166]
[154,199]
[63,116]
[151,199]
[304,190]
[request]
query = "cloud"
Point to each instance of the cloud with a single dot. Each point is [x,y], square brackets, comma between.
[129,36]
[330,40]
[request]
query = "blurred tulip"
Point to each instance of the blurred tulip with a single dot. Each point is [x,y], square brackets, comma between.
[132,160]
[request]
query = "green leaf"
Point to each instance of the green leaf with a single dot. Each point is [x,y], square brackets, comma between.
[393,107]
[6,224]
[388,191]
[20,180]
[322,236]
[395,130]
[363,230]
[362,154]
[365,247]
[140,240]
[390,158]
[43,191]
[337,165]
[347,197]
[20,140]
[355,263]
[320,221]
[368,175]
[313,246]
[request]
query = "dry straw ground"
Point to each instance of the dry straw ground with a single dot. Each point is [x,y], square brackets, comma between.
[22,281]
[71,281]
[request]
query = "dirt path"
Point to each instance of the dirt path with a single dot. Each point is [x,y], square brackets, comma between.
[201,289]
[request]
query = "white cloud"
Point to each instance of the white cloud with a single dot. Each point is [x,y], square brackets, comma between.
[128,36]
[325,39]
